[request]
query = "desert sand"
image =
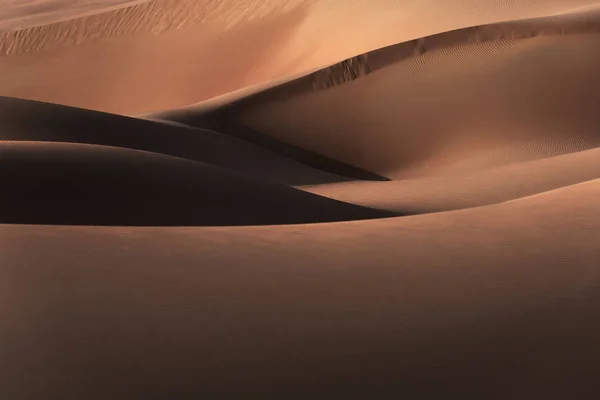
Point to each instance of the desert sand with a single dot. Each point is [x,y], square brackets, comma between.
[193,50]
[23,14]
[299,199]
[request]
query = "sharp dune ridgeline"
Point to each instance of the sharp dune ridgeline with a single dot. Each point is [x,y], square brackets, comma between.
[300,199]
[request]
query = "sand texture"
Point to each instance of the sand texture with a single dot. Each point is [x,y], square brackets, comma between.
[299,199]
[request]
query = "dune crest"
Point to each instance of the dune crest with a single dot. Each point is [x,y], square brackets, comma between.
[116,61]
[463,105]
[300,199]
[79,184]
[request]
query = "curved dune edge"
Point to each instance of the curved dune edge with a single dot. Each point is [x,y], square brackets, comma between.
[461,108]
[155,16]
[35,121]
[79,184]
[581,9]
[183,65]
[182,257]
[268,40]
[26,14]
[574,23]
[475,189]
[522,274]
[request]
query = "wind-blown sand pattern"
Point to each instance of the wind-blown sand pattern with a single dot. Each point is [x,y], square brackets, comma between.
[299,199]
[23,14]
[117,61]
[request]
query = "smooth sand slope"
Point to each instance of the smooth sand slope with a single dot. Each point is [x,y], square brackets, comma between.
[478,188]
[461,106]
[190,51]
[28,120]
[470,273]
[498,302]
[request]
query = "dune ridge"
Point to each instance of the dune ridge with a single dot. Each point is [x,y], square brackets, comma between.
[154,16]
[574,23]
[53,183]
[353,68]
[25,120]
[499,105]
[306,213]
[474,189]
[291,38]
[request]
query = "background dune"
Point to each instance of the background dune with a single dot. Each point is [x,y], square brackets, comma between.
[450,110]
[34,121]
[190,51]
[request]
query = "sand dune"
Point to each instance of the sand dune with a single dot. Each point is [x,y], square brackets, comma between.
[317,199]
[457,107]
[27,120]
[118,61]
[496,302]
[77,184]
[479,188]
[22,14]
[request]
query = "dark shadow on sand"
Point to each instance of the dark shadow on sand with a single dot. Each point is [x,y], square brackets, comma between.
[37,121]
[227,125]
[79,184]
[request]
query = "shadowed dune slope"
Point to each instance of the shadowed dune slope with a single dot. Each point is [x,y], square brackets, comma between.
[466,104]
[77,184]
[236,129]
[430,306]
[36,121]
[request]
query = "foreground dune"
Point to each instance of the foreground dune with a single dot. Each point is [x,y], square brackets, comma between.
[307,213]
[496,302]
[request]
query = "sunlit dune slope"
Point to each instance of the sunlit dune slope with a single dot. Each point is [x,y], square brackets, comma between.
[453,109]
[23,14]
[189,51]
[298,211]
[474,189]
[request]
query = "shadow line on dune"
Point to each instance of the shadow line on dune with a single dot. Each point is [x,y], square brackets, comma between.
[231,127]
[369,62]
[366,63]
[242,116]
[53,183]
[27,120]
